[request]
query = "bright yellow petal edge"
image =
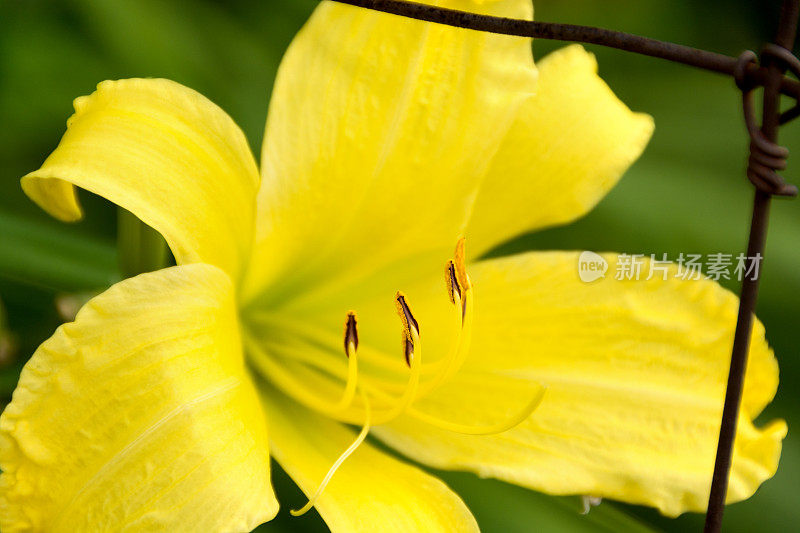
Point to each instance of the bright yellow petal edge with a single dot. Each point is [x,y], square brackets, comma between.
[140,415]
[168,155]
[570,144]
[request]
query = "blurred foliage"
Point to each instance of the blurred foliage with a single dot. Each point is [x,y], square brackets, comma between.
[687,194]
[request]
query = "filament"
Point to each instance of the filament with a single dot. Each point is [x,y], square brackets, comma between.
[459,349]
[342,458]
[414,359]
[352,379]
[299,391]
[392,406]
[492,429]
[326,339]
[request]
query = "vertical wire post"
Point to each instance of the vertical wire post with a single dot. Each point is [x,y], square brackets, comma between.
[787,29]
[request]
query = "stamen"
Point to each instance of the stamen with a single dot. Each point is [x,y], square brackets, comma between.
[408,349]
[319,337]
[350,334]
[459,289]
[300,391]
[458,286]
[351,351]
[413,354]
[453,288]
[405,314]
[342,458]
[493,429]
[458,355]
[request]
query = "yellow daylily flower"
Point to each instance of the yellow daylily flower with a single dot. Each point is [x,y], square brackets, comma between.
[387,141]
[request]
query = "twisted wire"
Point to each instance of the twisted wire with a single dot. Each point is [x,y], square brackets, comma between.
[766,157]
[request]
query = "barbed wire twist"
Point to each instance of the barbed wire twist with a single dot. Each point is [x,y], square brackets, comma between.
[766,156]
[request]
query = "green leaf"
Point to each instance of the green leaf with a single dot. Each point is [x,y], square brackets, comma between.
[32,252]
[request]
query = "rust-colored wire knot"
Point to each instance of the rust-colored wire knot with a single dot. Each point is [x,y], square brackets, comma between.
[766,157]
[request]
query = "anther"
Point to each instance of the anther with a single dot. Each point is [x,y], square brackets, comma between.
[405,313]
[453,287]
[350,334]
[409,323]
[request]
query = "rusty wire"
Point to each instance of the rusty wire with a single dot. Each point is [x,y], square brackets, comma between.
[777,57]
[766,156]
[677,53]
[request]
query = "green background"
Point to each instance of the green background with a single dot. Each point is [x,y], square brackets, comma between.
[687,194]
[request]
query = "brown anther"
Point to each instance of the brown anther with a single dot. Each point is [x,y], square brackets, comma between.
[350,333]
[453,287]
[409,323]
[405,313]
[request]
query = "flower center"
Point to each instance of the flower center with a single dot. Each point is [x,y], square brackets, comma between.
[379,397]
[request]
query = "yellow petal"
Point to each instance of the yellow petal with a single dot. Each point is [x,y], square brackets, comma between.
[371,491]
[635,374]
[569,146]
[379,131]
[168,155]
[140,416]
